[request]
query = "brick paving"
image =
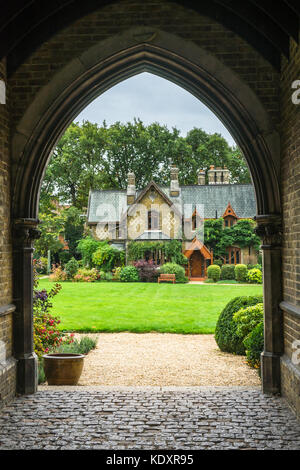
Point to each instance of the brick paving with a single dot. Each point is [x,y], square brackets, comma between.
[149,418]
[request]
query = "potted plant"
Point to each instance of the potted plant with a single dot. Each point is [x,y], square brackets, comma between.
[63,368]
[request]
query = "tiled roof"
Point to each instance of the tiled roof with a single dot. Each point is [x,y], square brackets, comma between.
[214,198]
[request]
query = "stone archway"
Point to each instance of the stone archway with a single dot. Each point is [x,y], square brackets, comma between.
[81,81]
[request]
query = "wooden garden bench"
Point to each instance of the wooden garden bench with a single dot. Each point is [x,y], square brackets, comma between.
[166,277]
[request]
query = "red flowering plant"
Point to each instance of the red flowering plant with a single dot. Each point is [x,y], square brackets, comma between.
[46,334]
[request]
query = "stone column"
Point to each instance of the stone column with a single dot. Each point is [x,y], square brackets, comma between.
[24,233]
[269,229]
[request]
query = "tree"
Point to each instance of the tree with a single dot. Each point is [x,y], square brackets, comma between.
[51,226]
[73,223]
[75,165]
[89,156]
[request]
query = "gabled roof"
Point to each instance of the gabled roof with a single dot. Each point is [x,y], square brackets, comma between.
[197,245]
[229,212]
[143,193]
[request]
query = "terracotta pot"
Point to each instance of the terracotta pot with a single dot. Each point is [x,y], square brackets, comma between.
[63,369]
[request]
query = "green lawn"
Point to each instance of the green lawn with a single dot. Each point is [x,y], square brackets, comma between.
[143,307]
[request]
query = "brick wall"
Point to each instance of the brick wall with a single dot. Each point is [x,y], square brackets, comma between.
[169,17]
[290,185]
[7,364]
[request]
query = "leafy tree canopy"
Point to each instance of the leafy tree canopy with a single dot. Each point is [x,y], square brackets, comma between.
[91,156]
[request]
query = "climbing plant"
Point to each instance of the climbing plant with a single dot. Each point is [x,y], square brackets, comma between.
[166,251]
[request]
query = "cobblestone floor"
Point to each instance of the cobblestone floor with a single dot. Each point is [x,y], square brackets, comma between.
[149,418]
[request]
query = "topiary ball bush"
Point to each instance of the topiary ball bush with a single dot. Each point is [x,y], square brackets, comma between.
[227,272]
[214,272]
[226,329]
[241,271]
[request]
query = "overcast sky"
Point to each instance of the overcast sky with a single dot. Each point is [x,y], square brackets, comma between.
[153,99]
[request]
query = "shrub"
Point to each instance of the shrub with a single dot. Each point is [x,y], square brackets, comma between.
[254,276]
[227,272]
[173,268]
[71,268]
[147,270]
[254,344]
[87,275]
[64,256]
[45,326]
[87,247]
[116,273]
[240,271]
[248,318]
[107,257]
[83,346]
[129,274]
[109,276]
[58,274]
[218,262]
[254,266]
[226,328]
[214,272]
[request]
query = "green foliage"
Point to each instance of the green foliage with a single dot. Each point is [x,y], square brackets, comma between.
[173,268]
[218,237]
[89,156]
[227,272]
[247,318]
[73,228]
[171,250]
[240,272]
[218,262]
[51,226]
[254,344]
[254,276]
[214,272]
[71,268]
[83,346]
[226,329]
[87,247]
[107,257]
[64,256]
[116,272]
[243,234]
[129,274]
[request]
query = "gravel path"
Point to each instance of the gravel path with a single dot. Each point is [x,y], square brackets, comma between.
[156,359]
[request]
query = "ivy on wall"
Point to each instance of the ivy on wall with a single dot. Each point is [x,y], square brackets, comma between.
[166,251]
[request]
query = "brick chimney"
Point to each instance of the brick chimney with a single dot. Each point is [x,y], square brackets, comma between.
[131,188]
[174,189]
[218,175]
[201,177]
[211,175]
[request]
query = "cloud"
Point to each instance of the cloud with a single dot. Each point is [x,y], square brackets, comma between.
[153,99]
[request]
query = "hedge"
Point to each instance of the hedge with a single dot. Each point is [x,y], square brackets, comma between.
[226,329]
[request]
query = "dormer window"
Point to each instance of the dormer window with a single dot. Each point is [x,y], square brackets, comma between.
[229,216]
[153,220]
